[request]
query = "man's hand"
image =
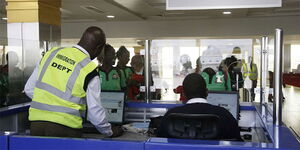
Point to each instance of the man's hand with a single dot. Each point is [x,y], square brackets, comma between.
[117,131]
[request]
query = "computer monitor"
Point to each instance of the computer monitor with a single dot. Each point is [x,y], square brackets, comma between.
[113,102]
[227,100]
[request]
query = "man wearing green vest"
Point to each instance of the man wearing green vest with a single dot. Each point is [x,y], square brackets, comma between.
[110,76]
[250,72]
[63,85]
[126,71]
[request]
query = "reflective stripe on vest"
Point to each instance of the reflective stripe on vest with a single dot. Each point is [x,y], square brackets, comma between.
[54,108]
[59,94]
[67,95]
[245,71]
[251,73]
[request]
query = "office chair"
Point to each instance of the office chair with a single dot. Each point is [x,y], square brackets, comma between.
[193,126]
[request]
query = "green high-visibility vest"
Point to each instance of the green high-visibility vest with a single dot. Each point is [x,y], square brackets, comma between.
[125,75]
[59,95]
[110,81]
[219,84]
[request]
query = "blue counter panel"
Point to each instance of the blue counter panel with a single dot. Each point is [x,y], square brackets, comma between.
[3,142]
[42,143]
[180,144]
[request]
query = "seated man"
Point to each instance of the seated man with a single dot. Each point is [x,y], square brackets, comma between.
[194,88]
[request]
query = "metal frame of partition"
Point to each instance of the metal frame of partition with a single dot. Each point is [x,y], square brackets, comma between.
[147,71]
[263,69]
[277,80]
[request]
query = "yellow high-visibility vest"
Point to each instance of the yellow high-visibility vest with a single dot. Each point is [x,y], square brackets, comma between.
[59,95]
[251,72]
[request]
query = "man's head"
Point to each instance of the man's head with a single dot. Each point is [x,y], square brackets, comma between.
[194,86]
[137,63]
[93,40]
[198,65]
[236,50]
[109,57]
[230,62]
[123,55]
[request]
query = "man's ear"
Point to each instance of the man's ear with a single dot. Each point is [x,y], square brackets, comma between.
[206,92]
[184,94]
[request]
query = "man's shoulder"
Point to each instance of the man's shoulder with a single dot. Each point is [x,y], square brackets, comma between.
[189,108]
[200,108]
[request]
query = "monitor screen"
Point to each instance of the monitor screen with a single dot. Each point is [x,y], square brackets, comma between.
[227,100]
[113,102]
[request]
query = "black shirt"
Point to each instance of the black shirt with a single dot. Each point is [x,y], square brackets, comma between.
[228,125]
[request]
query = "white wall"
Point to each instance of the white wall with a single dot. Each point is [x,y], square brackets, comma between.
[183,28]
[188,28]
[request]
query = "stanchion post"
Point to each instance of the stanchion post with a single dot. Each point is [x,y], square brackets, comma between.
[147,71]
[277,79]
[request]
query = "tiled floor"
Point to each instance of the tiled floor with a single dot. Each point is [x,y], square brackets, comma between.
[291,108]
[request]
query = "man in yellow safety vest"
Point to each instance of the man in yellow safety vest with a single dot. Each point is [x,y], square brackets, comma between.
[63,84]
[250,72]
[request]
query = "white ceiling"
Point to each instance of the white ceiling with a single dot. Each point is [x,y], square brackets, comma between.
[139,10]
[134,10]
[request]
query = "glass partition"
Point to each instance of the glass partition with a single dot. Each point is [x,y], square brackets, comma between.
[173,59]
[18,60]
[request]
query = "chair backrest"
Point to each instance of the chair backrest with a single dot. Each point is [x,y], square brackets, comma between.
[193,126]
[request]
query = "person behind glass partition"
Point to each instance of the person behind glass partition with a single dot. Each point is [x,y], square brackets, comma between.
[186,65]
[15,79]
[4,84]
[110,76]
[217,81]
[126,71]
[198,66]
[251,72]
[236,51]
[137,79]
[234,72]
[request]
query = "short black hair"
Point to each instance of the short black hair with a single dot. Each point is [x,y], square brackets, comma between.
[211,72]
[108,48]
[121,51]
[194,86]
[231,62]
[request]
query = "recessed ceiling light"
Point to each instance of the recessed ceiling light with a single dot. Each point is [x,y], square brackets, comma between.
[4,18]
[226,12]
[110,16]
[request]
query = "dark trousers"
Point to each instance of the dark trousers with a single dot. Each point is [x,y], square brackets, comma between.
[45,128]
[254,85]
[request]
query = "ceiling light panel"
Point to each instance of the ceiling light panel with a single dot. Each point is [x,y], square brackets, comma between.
[220,4]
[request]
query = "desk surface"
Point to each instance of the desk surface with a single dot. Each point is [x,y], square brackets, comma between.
[127,136]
